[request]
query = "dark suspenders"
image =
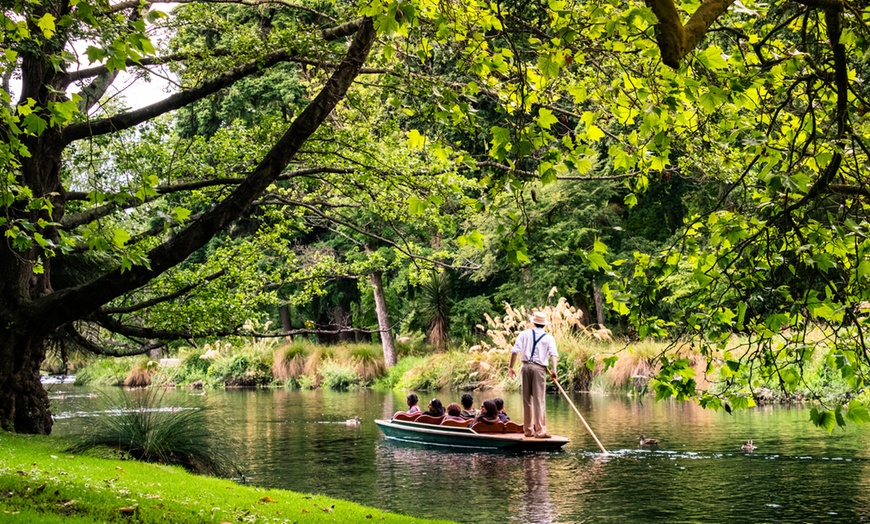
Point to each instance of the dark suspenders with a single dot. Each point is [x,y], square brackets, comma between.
[535,341]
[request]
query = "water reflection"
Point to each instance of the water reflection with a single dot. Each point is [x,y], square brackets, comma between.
[298,440]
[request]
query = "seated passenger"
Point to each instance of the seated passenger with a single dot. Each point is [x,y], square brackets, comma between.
[499,405]
[488,413]
[468,410]
[436,409]
[412,404]
[453,413]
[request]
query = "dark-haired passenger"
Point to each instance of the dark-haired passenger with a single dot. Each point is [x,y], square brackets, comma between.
[468,410]
[488,413]
[412,404]
[436,409]
[499,405]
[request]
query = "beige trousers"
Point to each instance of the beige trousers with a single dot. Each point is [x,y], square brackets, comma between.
[534,379]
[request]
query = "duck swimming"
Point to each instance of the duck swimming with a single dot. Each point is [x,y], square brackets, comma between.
[647,442]
[352,421]
[749,446]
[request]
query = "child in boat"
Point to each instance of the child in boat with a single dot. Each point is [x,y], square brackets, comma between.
[412,404]
[468,410]
[453,412]
[488,413]
[499,405]
[436,408]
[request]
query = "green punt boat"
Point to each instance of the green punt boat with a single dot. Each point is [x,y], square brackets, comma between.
[467,438]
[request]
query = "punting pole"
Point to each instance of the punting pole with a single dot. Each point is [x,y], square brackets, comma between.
[583,420]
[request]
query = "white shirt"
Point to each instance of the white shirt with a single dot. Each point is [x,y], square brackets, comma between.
[545,347]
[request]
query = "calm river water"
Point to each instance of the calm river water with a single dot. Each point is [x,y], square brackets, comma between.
[298,440]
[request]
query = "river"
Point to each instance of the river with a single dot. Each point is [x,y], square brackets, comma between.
[298,440]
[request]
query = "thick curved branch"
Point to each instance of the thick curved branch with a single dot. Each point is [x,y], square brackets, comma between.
[129,330]
[343,30]
[107,348]
[60,307]
[675,40]
[136,3]
[164,298]
[74,220]
[129,119]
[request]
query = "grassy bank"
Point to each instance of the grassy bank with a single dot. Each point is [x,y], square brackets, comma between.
[42,483]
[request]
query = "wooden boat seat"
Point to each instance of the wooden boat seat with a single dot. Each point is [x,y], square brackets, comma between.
[456,423]
[512,427]
[488,427]
[429,419]
[401,415]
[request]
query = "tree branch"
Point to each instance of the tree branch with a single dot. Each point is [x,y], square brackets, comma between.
[129,119]
[60,307]
[676,41]
[158,300]
[136,3]
[72,221]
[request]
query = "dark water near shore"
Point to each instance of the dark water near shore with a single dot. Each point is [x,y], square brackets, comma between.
[298,440]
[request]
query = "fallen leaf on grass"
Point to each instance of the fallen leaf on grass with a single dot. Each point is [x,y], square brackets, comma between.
[128,510]
[304,510]
[330,509]
[23,474]
[369,516]
[267,498]
[40,488]
[119,468]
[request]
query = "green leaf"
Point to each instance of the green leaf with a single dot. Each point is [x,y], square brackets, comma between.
[46,23]
[858,412]
[416,206]
[120,237]
[546,119]
[34,124]
[712,58]
[181,213]
[415,139]
[823,419]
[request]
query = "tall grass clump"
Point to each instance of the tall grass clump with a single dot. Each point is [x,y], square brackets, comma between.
[578,344]
[141,374]
[289,361]
[367,361]
[141,426]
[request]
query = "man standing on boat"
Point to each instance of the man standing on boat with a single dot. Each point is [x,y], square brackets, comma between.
[536,347]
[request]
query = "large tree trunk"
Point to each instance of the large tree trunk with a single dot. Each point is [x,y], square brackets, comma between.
[24,406]
[599,303]
[383,319]
[286,324]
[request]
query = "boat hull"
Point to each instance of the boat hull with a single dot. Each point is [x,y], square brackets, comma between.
[464,438]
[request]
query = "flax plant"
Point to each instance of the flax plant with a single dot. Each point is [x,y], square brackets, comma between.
[141,426]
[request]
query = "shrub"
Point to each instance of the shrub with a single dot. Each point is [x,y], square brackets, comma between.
[140,425]
[338,377]
[241,370]
[104,372]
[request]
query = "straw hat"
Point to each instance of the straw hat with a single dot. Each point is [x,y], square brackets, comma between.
[540,318]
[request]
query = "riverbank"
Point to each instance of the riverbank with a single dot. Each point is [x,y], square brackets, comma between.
[42,483]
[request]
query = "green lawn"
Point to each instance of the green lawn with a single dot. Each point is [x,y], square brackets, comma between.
[40,482]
